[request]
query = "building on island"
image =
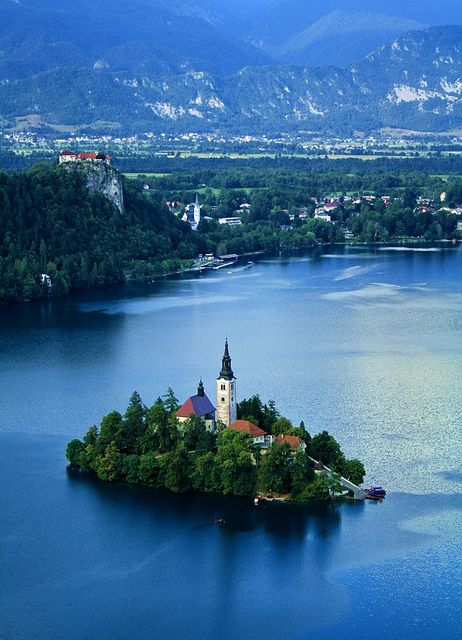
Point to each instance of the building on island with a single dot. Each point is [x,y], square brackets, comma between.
[200,406]
[225,413]
[260,439]
[295,442]
[93,156]
[226,391]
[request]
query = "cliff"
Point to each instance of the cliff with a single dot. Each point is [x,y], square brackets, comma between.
[100,177]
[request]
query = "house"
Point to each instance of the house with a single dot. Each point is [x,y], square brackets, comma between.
[295,442]
[230,221]
[320,214]
[260,439]
[200,406]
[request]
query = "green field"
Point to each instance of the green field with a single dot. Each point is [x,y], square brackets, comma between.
[134,176]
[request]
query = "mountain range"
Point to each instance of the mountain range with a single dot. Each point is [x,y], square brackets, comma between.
[260,65]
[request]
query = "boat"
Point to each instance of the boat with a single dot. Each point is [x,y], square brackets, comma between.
[376,491]
[220,521]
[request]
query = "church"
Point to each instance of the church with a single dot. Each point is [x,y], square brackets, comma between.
[226,401]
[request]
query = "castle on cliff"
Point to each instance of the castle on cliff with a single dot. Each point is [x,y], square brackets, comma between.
[86,156]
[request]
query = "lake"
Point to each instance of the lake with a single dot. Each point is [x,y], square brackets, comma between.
[364,342]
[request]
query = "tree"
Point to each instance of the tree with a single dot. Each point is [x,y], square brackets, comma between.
[204,476]
[171,403]
[234,466]
[74,451]
[274,472]
[179,470]
[318,490]
[130,466]
[270,416]
[354,470]
[334,484]
[325,447]
[251,409]
[108,465]
[134,420]
[111,430]
[193,428]
[149,471]
[301,472]
[282,426]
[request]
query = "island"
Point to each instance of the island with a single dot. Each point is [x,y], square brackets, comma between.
[241,448]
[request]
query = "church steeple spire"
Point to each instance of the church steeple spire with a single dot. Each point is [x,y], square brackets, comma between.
[226,372]
[226,391]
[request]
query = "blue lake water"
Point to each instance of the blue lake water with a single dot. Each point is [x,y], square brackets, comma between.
[366,343]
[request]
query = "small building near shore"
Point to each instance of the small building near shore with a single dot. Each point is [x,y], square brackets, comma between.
[260,439]
[295,442]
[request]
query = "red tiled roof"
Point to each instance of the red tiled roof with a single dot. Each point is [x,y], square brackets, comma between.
[293,441]
[244,426]
[197,406]
[87,155]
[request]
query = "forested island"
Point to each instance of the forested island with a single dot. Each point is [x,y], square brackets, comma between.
[149,446]
[57,236]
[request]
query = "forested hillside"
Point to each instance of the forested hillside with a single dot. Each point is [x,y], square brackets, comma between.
[54,230]
[50,224]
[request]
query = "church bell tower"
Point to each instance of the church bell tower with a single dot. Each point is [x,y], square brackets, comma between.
[226,391]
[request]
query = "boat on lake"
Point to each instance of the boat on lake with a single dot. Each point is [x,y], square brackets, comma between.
[375,493]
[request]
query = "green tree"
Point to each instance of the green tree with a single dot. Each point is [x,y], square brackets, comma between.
[235,468]
[334,484]
[178,470]
[318,490]
[282,426]
[193,429]
[150,470]
[130,466]
[170,401]
[325,447]
[134,421]
[204,476]
[274,472]
[301,472]
[354,470]
[74,451]
[108,465]
[111,430]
